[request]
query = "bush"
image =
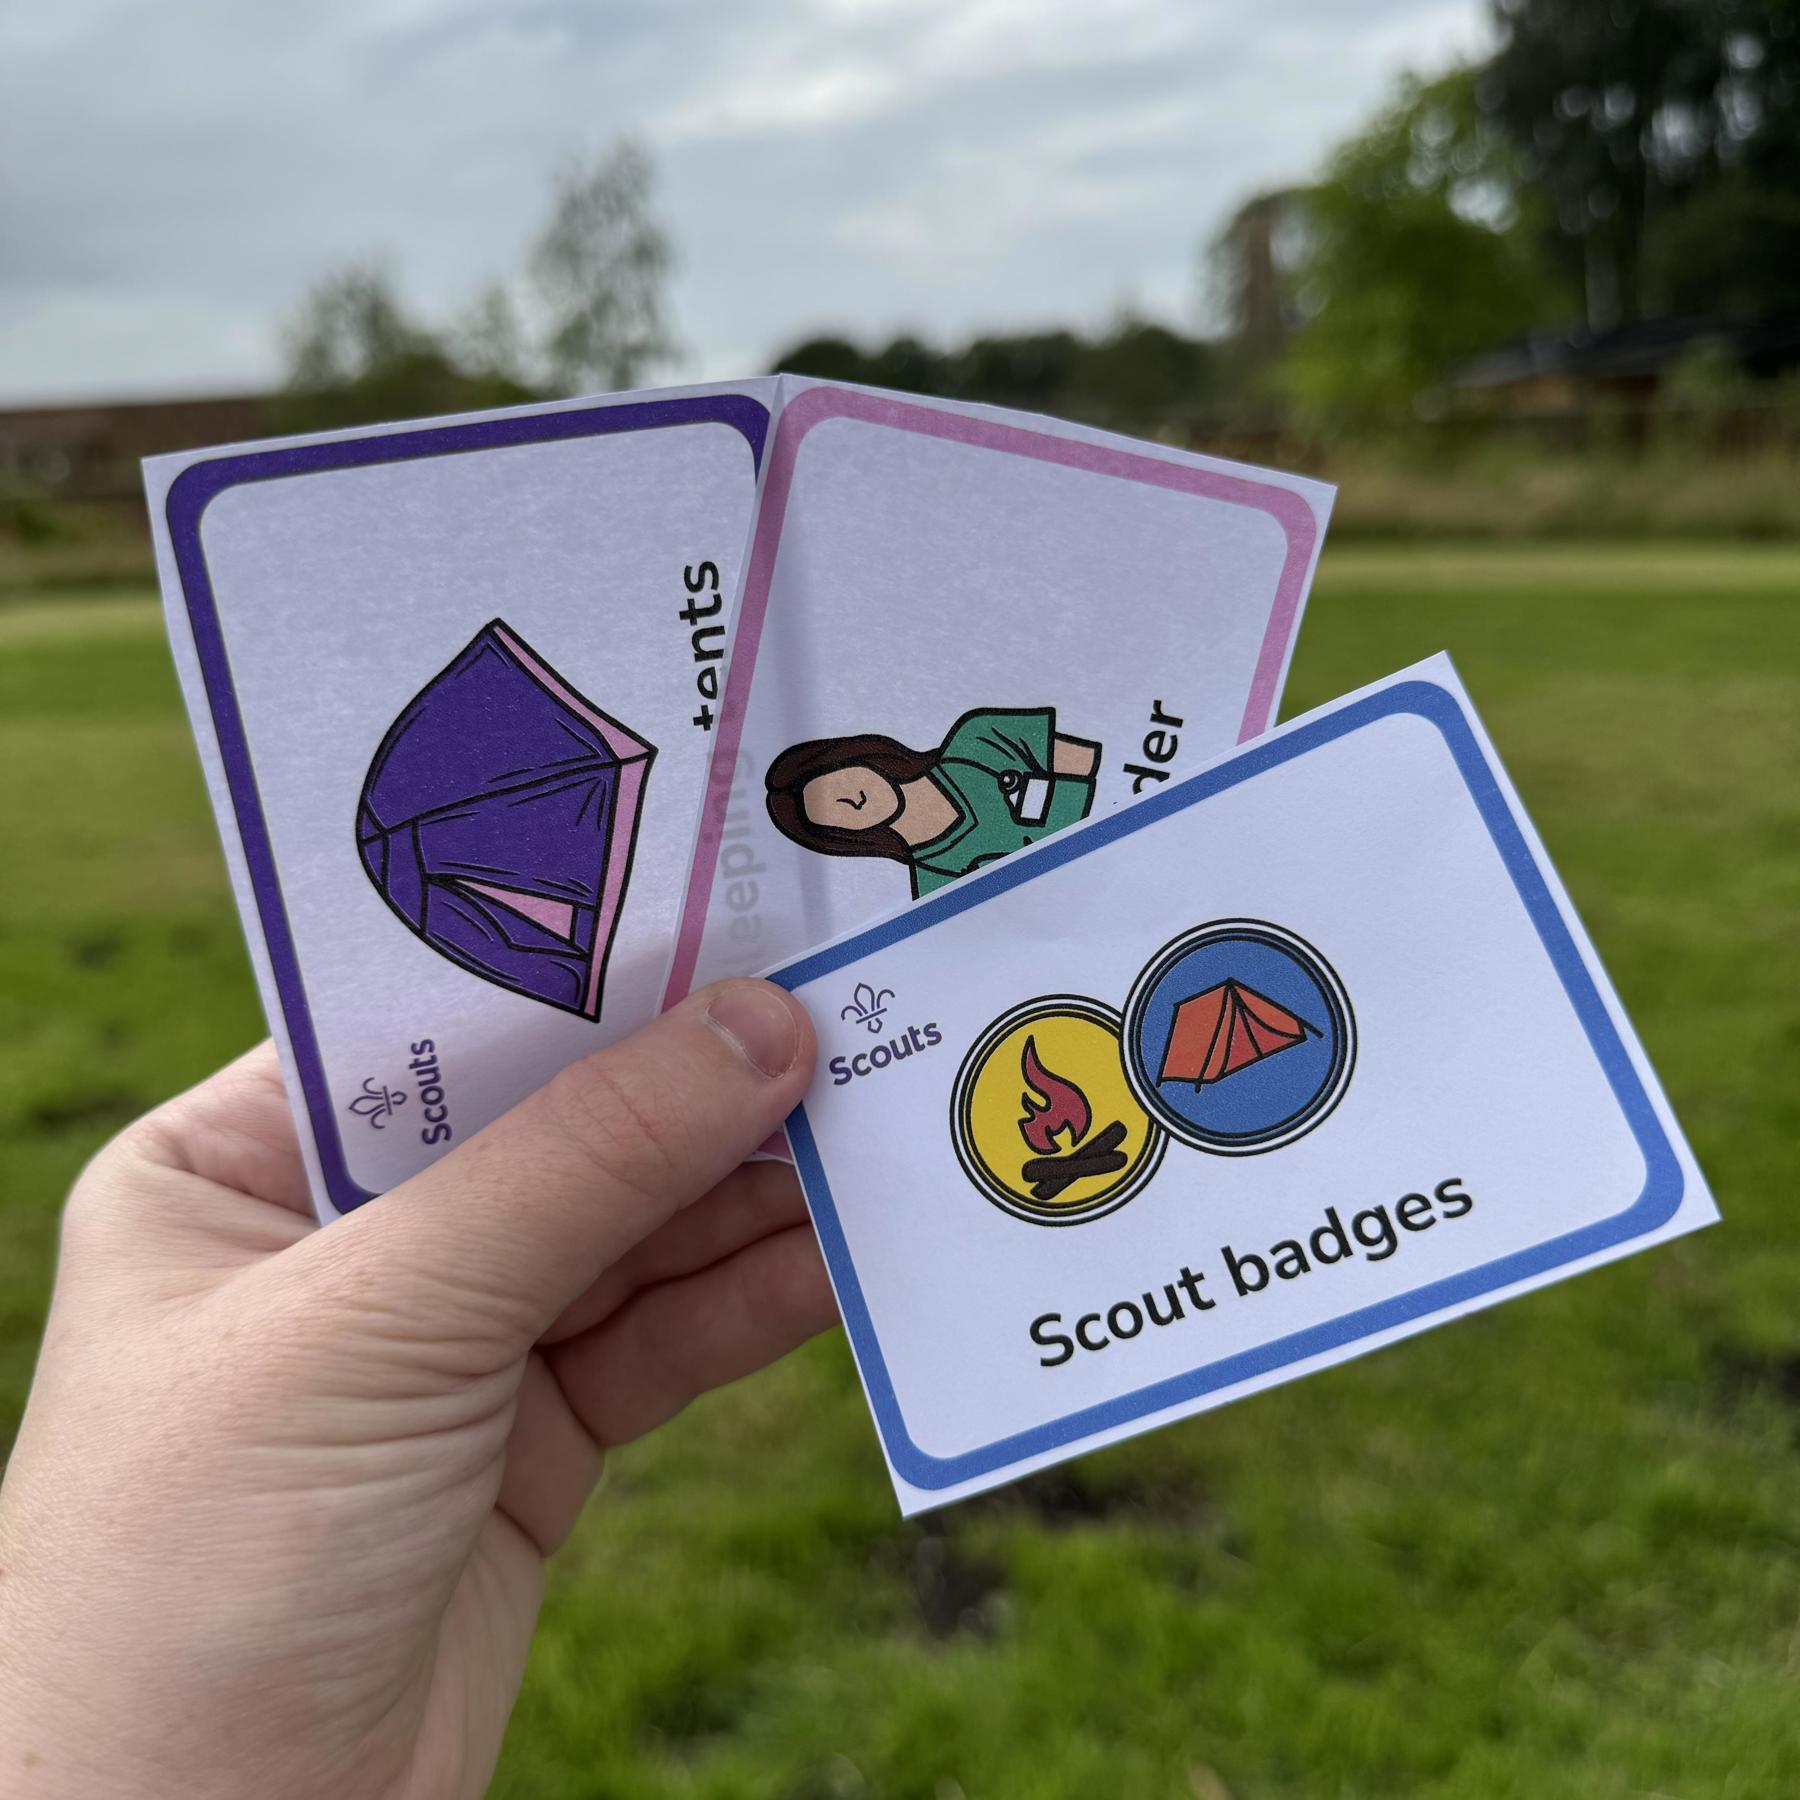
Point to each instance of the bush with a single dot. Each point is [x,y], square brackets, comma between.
[1510,494]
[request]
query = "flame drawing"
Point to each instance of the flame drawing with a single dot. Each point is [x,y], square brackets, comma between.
[1059,1105]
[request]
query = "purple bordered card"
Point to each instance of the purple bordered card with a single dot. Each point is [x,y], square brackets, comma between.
[454,686]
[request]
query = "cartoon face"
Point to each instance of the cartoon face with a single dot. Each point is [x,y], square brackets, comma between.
[852,799]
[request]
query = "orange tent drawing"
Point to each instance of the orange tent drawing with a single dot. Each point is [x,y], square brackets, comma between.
[1225,1029]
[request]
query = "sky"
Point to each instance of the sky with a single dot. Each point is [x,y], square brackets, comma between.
[174,174]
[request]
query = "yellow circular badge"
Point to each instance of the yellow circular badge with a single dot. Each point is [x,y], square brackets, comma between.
[1044,1121]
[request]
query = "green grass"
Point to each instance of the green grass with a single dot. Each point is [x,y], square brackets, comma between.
[1551,1551]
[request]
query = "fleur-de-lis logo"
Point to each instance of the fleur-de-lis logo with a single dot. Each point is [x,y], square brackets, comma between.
[376,1103]
[867,1005]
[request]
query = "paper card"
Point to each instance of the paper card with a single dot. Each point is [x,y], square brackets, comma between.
[961,630]
[1300,1056]
[454,685]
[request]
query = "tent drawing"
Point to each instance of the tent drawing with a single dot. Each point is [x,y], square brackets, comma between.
[498,821]
[1227,1028]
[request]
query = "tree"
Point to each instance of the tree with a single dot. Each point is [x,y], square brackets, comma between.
[1418,250]
[1631,115]
[491,340]
[825,359]
[1733,248]
[599,271]
[356,356]
[351,323]
[1142,373]
[1032,369]
[1138,376]
[1249,271]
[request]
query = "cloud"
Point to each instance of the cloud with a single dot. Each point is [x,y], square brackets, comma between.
[850,164]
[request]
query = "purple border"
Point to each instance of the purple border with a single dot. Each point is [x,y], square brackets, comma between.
[194,489]
[1289,510]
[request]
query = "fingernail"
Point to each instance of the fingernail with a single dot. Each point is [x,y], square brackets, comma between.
[758,1021]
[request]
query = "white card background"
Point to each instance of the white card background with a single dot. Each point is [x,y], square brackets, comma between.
[916,577]
[1471,1063]
[340,594]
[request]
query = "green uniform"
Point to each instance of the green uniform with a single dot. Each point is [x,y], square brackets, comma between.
[994,769]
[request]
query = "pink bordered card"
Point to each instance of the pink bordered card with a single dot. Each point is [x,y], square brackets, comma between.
[960,631]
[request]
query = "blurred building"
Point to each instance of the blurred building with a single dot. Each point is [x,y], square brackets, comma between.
[1631,370]
[91,451]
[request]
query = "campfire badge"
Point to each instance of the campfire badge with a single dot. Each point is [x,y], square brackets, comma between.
[1042,1117]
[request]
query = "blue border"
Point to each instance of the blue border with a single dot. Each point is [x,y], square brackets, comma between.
[1663,1184]
[195,488]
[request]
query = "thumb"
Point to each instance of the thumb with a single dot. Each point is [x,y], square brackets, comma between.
[502,1234]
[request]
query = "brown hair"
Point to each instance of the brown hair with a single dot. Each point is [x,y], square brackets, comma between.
[795,767]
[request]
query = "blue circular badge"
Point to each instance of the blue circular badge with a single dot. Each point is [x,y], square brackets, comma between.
[1239,1037]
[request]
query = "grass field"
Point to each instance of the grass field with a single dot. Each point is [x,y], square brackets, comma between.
[1551,1551]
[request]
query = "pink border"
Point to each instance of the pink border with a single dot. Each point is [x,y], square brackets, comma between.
[1289,510]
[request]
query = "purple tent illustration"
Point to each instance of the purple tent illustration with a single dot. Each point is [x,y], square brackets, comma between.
[498,820]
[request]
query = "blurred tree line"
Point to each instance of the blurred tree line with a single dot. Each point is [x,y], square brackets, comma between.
[1610,161]
[1134,372]
[1663,139]
[588,311]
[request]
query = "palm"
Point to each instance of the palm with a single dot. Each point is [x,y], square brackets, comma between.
[407,1468]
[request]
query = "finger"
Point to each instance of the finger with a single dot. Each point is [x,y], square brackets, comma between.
[668,1345]
[552,1461]
[501,1235]
[754,1200]
[673,1342]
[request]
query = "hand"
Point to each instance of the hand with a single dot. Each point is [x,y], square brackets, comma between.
[276,1518]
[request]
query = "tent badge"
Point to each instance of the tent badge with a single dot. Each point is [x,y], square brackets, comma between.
[1239,1037]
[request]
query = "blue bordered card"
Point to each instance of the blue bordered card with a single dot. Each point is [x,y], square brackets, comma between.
[1301,1055]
